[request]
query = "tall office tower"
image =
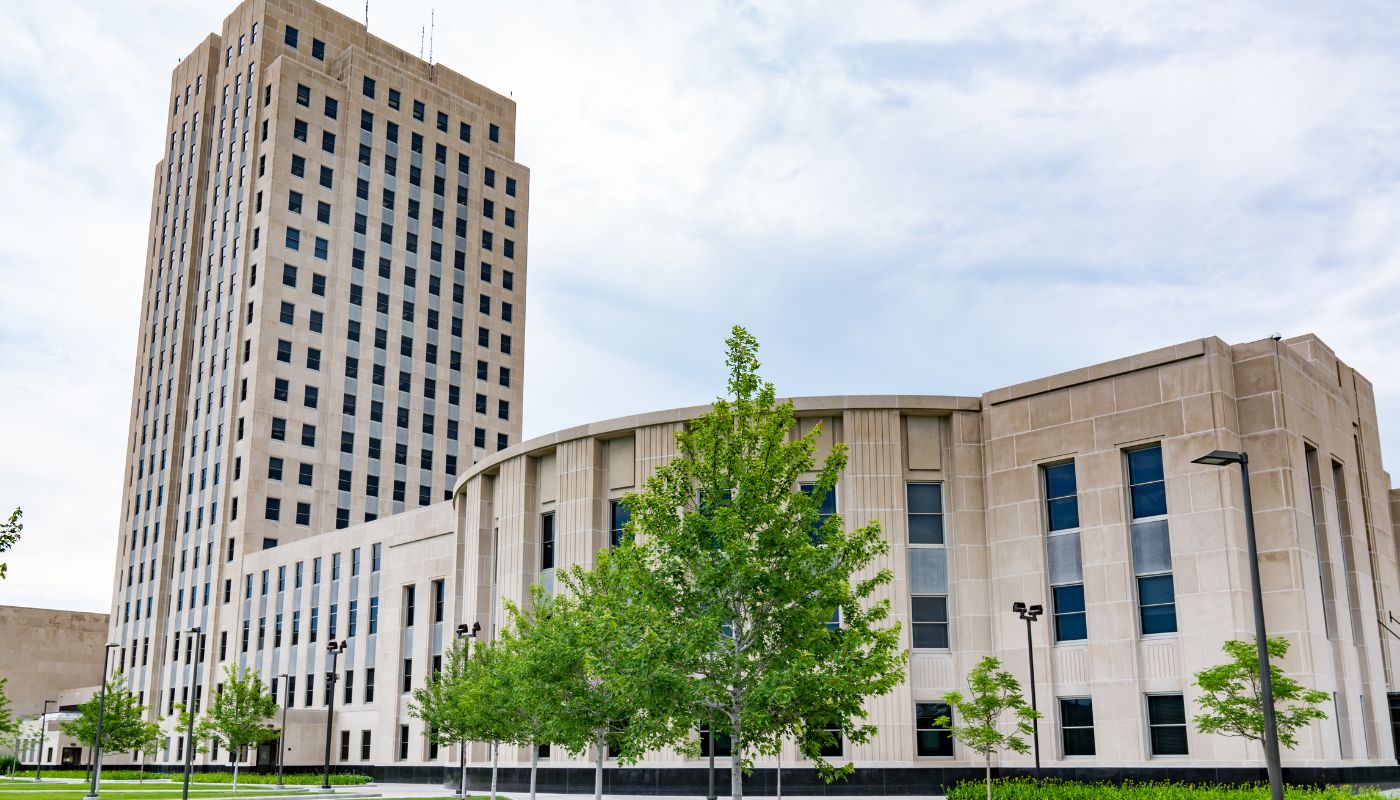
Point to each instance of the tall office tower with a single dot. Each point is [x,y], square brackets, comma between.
[332,318]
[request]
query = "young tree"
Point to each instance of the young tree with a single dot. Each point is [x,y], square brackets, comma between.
[992,692]
[237,718]
[770,600]
[1231,703]
[440,703]
[8,722]
[124,727]
[616,675]
[527,676]
[462,703]
[9,534]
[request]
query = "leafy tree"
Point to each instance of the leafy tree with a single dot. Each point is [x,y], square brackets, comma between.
[617,673]
[237,718]
[9,534]
[992,692]
[750,577]
[124,727]
[1231,701]
[439,703]
[8,722]
[527,675]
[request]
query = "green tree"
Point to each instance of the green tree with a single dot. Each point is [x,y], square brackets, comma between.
[1231,703]
[9,535]
[992,691]
[8,722]
[440,703]
[238,717]
[124,727]
[527,675]
[617,674]
[462,702]
[754,580]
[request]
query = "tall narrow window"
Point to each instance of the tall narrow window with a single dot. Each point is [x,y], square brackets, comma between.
[439,600]
[827,510]
[1349,576]
[1077,726]
[619,516]
[1326,582]
[1151,543]
[1062,551]
[1166,724]
[928,566]
[547,541]
[409,596]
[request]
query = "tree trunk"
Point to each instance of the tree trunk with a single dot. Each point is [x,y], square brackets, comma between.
[235,773]
[534,766]
[495,758]
[780,769]
[989,777]
[736,775]
[598,769]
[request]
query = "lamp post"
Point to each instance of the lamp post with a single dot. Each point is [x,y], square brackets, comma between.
[198,633]
[1031,614]
[466,632]
[282,737]
[1220,458]
[43,725]
[334,649]
[101,711]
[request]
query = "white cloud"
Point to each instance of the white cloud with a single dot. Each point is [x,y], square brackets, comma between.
[894,196]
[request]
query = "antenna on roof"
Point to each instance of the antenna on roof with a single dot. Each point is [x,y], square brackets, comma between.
[432,25]
[366,15]
[422,34]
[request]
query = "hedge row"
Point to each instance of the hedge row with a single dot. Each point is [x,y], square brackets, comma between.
[1029,789]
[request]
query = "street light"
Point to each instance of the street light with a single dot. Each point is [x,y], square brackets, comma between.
[334,649]
[1220,458]
[282,737]
[43,724]
[189,711]
[1031,614]
[101,711]
[464,632]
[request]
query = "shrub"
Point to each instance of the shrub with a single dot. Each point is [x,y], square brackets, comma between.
[1028,789]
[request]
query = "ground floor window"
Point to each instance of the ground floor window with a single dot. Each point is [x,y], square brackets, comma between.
[931,734]
[1077,726]
[1166,724]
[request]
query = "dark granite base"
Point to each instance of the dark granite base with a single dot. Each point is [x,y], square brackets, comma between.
[863,782]
[888,781]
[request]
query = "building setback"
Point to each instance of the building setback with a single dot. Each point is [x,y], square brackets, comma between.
[331,321]
[1075,491]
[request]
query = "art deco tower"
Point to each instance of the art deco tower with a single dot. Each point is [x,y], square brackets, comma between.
[332,317]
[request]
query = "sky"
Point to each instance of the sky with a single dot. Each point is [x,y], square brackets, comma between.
[938,198]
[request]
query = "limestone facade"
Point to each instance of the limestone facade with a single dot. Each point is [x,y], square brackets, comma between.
[1138,559]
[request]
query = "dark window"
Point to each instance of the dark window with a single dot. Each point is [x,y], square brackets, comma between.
[547,541]
[1070,621]
[1166,723]
[494,133]
[1148,486]
[724,743]
[1061,497]
[925,512]
[318,49]
[931,734]
[290,37]
[929,621]
[1077,726]
[1157,603]
[273,509]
